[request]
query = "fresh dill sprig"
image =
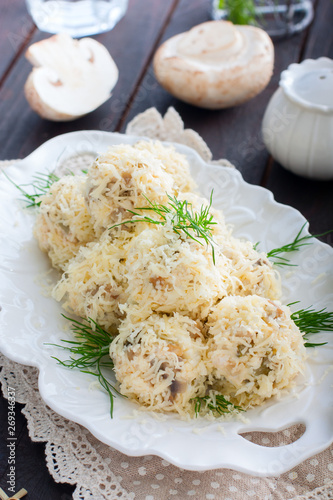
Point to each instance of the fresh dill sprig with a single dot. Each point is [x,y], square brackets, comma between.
[196,225]
[41,184]
[219,405]
[298,242]
[310,321]
[90,352]
[294,246]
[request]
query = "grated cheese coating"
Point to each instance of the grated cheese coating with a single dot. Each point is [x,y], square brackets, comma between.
[63,223]
[251,269]
[173,163]
[254,349]
[159,362]
[169,273]
[120,180]
[94,284]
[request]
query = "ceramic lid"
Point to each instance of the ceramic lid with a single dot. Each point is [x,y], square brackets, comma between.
[310,84]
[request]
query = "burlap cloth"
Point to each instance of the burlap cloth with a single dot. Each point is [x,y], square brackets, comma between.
[99,472]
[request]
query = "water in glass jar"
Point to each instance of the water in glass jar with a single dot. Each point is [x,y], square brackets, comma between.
[76,17]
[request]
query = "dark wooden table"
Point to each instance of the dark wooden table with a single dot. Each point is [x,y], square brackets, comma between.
[233,134]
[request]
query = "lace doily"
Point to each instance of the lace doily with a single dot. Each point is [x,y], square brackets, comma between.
[171,128]
[99,472]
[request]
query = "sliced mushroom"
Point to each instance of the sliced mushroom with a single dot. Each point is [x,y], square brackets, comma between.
[216,64]
[177,387]
[70,79]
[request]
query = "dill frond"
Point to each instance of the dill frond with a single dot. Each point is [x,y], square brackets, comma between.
[40,185]
[89,352]
[255,246]
[219,405]
[195,225]
[298,242]
[310,321]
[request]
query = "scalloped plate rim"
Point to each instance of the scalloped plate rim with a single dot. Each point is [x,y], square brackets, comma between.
[268,198]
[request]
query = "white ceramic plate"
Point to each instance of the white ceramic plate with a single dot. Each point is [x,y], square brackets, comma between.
[29,319]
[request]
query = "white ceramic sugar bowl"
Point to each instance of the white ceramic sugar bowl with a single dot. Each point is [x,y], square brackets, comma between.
[298,123]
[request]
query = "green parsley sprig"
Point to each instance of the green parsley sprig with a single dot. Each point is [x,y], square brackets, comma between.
[196,225]
[89,352]
[310,321]
[218,404]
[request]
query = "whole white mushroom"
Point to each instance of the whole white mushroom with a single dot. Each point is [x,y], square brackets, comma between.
[216,64]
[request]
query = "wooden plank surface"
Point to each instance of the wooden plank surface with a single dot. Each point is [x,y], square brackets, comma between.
[16,29]
[130,44]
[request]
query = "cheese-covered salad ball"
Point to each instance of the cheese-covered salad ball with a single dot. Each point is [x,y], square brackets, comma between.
[94,283]
[159,362]
[253,273]
[172,162]
[63,222]
[250,271]
[122,179]
[167,272]
[254,349]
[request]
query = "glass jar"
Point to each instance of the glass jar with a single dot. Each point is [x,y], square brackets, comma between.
[76,17]
[278,17]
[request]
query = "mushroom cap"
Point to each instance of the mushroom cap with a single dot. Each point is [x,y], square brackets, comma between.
[216,64]
[70,79]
